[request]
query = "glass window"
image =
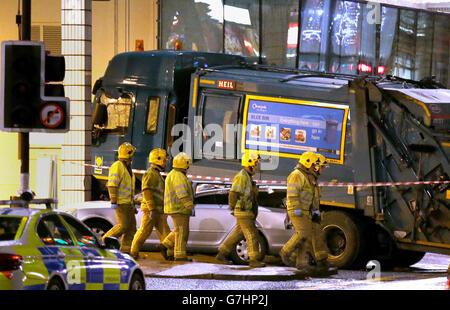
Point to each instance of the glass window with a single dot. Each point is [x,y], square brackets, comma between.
[9,226]
[441,49]
[241,27]
[345,39]
[152,117]
[198,24]
[83,235]
[280,32]
[271,200]
[424,43]
[368,39]
[52,231]
[313,35]
[214,199]
[404,62]
[118,114]
[388,38]
[221,111]
[171,116]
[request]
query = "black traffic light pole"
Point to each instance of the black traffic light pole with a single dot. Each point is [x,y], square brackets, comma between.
[24,137]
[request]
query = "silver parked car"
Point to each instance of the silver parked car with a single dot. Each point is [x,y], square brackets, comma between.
[212,221]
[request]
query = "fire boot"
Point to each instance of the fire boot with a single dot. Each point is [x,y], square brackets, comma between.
[221,258]
[306,270]
[163,251]
[287,259]
[324,268]
[184,259]
[256,264]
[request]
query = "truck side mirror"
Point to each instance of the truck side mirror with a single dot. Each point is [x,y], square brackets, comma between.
[97,85]
[100,115]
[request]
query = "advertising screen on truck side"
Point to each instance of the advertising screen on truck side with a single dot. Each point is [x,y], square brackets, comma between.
[287,127]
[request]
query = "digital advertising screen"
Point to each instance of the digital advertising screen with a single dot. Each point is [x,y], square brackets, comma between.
[287,127]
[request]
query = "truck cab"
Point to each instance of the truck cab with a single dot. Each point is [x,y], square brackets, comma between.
[141,96]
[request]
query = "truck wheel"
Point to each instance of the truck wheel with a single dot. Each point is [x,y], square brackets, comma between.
[344,238]
[239,255]
[405,258]
[401,258]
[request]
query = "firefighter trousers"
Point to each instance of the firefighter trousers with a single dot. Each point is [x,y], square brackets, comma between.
[246,226]
[126,227]
[301,241]
[178,238]
[157,220]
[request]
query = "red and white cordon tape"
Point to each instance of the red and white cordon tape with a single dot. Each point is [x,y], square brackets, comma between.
[322,184]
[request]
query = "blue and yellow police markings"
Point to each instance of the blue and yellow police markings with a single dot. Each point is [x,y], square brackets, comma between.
[126,267]
[35,273]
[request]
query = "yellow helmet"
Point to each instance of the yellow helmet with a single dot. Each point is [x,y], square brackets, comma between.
[126,150]
[250,159]
[307,159]
[182,161]
[157,157]
[322,162]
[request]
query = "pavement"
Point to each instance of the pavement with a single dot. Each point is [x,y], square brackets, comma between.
[204,267]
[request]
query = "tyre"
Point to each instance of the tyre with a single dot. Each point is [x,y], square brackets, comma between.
[239,255]
[401,258]
[137,282]
[55,284]
[344,238]
[98,227]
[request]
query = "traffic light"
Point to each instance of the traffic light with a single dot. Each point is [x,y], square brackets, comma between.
[28,103]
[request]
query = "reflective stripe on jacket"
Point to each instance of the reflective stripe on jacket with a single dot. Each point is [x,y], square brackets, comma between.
[300,191]
[120,177]
[177,188]
[243,185]
[153,181]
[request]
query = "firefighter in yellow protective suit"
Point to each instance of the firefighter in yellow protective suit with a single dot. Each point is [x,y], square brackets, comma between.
[319,248]
[301,193]
[152,205]
[121,182]
[243,202]
[179,204]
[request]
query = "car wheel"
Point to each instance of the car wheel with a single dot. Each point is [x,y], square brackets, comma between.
[55,284]
[344,238]
[137,282]
[239,255]
[98,227]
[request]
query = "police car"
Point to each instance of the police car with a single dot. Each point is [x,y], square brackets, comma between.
[49,249]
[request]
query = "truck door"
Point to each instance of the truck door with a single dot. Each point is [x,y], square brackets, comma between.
[220,120]
[148,123]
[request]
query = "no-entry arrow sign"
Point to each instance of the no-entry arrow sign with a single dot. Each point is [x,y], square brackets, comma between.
[51,115]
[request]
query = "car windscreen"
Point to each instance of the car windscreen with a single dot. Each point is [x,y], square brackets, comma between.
[271,200]
[10,227]
[265,199]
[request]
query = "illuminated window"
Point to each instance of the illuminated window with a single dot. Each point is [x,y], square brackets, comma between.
[152,116]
